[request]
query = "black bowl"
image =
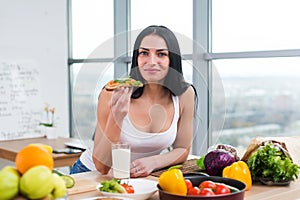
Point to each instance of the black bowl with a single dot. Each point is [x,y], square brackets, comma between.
[197,179]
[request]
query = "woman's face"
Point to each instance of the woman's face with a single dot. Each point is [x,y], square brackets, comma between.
[153,59]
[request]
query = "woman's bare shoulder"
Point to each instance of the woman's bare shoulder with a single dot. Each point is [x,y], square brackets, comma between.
[188,94]
[186,99]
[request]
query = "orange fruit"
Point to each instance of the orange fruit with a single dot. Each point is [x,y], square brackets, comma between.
[33,155]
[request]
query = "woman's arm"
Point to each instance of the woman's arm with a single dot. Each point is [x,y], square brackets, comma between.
[181,145]
[111,110]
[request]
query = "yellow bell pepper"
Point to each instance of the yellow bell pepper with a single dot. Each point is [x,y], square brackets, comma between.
[240,171]
[172,181]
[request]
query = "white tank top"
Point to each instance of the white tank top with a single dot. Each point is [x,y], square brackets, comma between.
[145,144]
[142,144]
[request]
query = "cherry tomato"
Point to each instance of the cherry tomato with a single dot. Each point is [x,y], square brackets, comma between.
[208,184]
[129,188]
[206,192]
[188,183]
[222,189]
[194,191]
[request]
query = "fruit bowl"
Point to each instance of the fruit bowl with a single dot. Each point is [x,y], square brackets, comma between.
[196,180]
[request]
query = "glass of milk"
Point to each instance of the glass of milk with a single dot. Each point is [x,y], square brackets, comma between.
[121,160]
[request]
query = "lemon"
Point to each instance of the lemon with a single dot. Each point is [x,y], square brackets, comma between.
[47,147]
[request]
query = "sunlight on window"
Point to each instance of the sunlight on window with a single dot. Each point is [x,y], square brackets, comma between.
[254,25]
[92,24]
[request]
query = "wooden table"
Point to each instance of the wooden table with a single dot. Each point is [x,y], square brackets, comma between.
[86,183]
[9,149]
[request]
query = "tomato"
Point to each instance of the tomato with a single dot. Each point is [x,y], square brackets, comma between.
[194,191]
[188,183]
[129,188]
[222,189]
[208,184]
[206,192]
[112,83]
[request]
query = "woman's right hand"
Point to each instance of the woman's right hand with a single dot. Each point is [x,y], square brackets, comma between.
[120,102]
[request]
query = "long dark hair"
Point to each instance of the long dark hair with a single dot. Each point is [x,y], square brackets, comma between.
[174,81]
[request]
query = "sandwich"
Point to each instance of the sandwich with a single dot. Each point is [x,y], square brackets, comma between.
[256,144]
[123,82]
[270,162]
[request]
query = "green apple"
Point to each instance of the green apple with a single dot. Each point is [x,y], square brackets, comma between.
[60,188]
[37,182]
[9,183]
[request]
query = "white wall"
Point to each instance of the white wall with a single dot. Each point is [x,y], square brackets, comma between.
[36,31]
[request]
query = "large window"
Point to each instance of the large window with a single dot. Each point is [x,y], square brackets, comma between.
[253,25]
[259,90]
[253,47]
[262,97]
[86,86]
[92,25]
[91,33]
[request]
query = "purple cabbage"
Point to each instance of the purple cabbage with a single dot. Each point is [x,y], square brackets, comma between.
[216,160]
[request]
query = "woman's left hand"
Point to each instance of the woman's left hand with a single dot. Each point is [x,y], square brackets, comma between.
[141,167]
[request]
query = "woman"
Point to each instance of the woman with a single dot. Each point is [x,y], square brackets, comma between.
[151,118]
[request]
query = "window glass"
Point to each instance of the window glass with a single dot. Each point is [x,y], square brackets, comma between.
[255,97]
[187,69]
[87,80]
[253,25]
[177,15]
[92,25]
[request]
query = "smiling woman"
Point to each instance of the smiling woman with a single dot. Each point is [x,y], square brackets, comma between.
[153,58]
[150,118]
[156,63]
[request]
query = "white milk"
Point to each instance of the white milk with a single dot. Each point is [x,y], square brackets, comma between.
[121,163]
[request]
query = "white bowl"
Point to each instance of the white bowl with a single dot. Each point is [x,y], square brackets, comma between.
[143,189]
[105,198]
